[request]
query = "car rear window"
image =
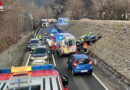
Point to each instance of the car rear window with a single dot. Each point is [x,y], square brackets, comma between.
[40,51]
[83,61]
[33,41]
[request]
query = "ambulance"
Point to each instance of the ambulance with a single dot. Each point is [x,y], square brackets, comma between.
[43,77]
[65,43]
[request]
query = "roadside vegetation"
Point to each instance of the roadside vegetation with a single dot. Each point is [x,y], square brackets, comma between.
[16,21]
[94,9]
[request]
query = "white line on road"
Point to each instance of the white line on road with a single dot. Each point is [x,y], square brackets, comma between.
[100,81]
[54,60]
[39,31]
[28,60]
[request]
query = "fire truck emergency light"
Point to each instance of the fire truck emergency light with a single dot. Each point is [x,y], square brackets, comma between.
[60,37]
[26,69]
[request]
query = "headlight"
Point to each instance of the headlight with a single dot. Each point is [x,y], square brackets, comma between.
[32,58]
[45,57]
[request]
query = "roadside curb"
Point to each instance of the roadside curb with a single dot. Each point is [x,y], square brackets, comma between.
[118,77]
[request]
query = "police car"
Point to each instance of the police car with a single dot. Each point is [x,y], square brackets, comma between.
[32,78]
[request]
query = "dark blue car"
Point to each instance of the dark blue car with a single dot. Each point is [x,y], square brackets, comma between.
[80,63]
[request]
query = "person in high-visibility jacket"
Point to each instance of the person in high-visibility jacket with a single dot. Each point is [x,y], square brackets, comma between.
[40,36]
[52,49]
[82,39]
[85,47]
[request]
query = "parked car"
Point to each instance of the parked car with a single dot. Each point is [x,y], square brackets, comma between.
[33,43]
[40,56]
[80,63]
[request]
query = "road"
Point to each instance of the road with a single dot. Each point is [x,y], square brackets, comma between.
[78,82]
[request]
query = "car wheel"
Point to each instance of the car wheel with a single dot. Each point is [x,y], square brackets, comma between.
[73,73]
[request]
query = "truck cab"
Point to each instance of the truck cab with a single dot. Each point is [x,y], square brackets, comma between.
[43,77]
[45,22]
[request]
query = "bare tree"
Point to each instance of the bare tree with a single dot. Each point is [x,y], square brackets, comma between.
[76,7]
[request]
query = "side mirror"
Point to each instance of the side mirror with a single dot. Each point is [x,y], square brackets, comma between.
[64,79]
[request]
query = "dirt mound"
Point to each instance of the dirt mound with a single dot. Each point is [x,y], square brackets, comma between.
[114,47]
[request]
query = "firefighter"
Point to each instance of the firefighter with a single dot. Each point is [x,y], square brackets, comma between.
[52,49]
[85,47]
[40,36]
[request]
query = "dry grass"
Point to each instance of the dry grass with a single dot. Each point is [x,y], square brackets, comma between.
[14,23]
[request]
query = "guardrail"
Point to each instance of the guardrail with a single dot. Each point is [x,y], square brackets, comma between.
[118,77]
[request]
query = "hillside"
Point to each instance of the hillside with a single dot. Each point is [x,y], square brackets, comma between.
[114,47]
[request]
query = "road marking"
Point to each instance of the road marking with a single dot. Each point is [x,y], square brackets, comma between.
[28,60]
[53,60]
[39,31]
[100,81]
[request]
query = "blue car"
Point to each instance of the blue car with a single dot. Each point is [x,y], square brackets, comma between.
[80,63]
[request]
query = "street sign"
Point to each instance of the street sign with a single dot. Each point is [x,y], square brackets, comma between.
[63,21]
[1,7]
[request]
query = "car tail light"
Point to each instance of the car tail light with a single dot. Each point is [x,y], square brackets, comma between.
[69,46]
[75,63]
[90,62]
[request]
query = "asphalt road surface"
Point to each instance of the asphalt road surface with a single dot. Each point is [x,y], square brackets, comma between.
[78,82]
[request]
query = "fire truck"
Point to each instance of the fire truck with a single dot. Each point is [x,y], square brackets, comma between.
[65,43]
[1,7]
[43,77]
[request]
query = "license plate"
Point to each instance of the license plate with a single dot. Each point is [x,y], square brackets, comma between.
[84,70]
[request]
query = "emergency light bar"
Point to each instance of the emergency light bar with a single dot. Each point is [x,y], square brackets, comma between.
[60,37]
[42,67]
[52,30]
[21,69]
[26,69]
[8,70]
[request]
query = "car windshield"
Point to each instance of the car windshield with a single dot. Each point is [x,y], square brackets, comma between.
[33,41]
[83,61]
[71,42]
[43,21]
[40,51]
